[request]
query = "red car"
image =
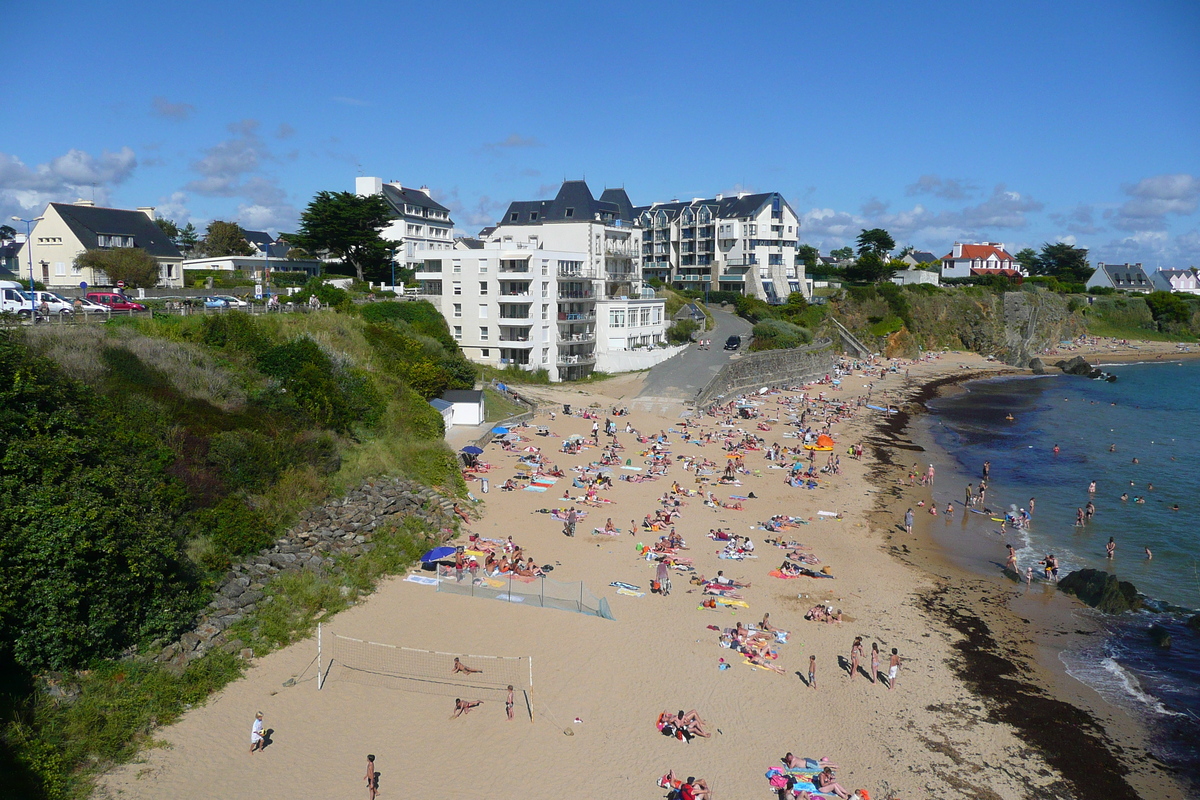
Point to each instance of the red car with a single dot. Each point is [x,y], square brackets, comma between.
[117,301]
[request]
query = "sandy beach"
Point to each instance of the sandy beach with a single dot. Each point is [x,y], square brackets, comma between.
[938,734]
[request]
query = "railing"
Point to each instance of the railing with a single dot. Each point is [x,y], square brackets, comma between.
[565,294]
[577,337]
[566,361]
[576,316]
[519,343]
[574,274]
[620,249]
[515,294]
[515,316]
[748,261]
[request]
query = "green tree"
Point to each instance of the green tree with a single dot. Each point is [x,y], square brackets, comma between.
[226,239]
[133,265]
[347,226]
[168,227]
[842,253]
[189,237]
[908,248]
[1028,259]
[1065,262]
[809,255]
[7,232]
[1166,307]
[877,241]
[869,268]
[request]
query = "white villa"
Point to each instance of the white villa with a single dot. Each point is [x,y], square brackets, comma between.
[984,258]
[419,222]
[1175,280]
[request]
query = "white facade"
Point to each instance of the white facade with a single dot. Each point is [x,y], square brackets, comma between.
[746,244]
[1175,280]
[908,277]
[610,250]
[989,256]
[67,230]
[419,223]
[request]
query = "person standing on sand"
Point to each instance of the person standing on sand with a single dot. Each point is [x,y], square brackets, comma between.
[969,493]
[908,521]
[256,733]
[929,476]
[812,672]
[856,652]
[508,703]
[874,662]
[1011,563]
[893,669]
[372,779]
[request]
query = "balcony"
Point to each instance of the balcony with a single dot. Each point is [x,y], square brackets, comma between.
[515,312]
[585,358]
[748,261]
[511,265]
[517,343]
[574,274]
[521,294]
[575,294]
[576,316]
[586,336]
[620,247]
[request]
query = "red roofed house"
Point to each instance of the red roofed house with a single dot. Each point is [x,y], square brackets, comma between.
[985,258]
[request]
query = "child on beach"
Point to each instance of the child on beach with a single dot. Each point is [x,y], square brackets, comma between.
[372,778]
[812,672]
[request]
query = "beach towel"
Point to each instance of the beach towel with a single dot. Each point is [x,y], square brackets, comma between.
[423,580]
[535,488]
[602,532]
[622,585]
[630,593]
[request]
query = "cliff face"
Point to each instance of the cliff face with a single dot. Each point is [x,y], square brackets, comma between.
[1013,326]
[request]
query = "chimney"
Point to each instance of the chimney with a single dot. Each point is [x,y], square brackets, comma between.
[957,250]
[742,194]
[82,202]
[148,211]
[720,197]
[366,187]
[425,189]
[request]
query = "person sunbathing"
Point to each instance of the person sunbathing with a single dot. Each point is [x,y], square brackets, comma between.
[463,668]
[825,782]
[509,485]
[692,723]
[761,661]
[723,580]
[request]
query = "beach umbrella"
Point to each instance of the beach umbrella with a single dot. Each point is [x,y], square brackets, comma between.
[472,450]
[500,430]
[437,554]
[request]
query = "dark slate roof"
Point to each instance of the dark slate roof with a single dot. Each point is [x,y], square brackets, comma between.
[259,239]
[923,256]
[86,222]
[397,198]
[620,199]
[463,396]
[574,202]
[484,233]
[1126,275]
[441,405]
[725,208]
[469,243]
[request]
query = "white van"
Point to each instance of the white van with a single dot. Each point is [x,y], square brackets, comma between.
[55,303]
[13,300]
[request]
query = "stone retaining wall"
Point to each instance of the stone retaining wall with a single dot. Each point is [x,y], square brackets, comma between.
[339,527]
[769,368]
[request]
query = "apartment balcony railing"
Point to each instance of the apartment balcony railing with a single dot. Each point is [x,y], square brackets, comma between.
[572,274]
[748,261]
[511,265]
[520,343]
[575,316]
[589,336]
[515,315]
[524,294]
[622,249]
[568,294]
[564,361]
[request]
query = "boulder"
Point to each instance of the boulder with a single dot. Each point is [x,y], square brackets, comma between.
[1160,636]
[1101,591]
[1076,366]
[1037,366]
[1194,623]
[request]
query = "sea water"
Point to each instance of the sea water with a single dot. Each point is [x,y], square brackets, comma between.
[1150,413]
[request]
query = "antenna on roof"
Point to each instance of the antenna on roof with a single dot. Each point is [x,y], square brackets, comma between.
[93,193]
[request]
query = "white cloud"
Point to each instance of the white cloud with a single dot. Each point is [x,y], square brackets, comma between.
[233,168]
[470,216]
[946,188]
[1152,200]
[168,110]
[25,190]
[174,208]
[513,140]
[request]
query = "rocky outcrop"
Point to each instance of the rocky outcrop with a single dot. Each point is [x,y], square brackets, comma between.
[1079,366]
[1037,366]
[1101,591]
[344,526]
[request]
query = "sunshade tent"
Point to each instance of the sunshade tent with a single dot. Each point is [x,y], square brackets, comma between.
[437,554]
[500,430]
[472,450]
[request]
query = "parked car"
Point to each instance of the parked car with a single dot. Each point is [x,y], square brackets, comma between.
[90,306]
[233,302]
[115,301]
[733,343]
[55,303]
[215,302]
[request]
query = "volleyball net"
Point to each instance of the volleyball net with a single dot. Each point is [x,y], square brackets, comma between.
[420,670]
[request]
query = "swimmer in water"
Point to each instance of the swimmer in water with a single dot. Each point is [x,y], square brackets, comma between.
[1125,497]
[1111,548]
[1092,487]
[1112,448]
[1135,461]
[1056,450]
[1010,417]
[1149,555]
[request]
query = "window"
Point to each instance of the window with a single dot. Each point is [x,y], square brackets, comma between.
[75,270]
[645,316]
[513,216]
[657,315]
[457,287]
[483,287]
[60,268]
[545,288]
[483,334]
[483,266]
[457,332]
[545,311]
[483,311]
[457,268]
[616,317]
[458,309]
[570,213]
[533,216]
[485,353]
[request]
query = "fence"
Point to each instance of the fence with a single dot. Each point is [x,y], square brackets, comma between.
[768,368]
[542,592]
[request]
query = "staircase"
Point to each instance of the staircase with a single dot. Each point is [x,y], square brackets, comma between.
[849,341]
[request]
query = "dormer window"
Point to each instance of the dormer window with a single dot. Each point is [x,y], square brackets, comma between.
[570,213]
[533,216]
[513,216]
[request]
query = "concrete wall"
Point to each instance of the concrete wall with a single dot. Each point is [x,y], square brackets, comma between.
[632,360]
[769,368]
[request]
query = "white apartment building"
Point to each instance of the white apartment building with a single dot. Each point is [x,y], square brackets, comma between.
[68,229]
[516,305]
[745,244]
[419,222]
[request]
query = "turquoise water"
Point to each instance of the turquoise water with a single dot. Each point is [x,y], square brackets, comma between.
[1151,413]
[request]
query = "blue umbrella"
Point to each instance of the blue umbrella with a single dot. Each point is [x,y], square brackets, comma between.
[472,449]
[500,430]
[437,554]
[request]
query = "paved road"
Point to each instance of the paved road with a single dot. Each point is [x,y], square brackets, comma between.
[682,377]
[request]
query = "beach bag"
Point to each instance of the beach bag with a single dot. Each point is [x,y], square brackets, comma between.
[655,587]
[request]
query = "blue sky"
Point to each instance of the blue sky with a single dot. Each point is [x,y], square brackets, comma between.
[1020,122]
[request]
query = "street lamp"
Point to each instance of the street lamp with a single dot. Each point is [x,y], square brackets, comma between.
[29,249]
